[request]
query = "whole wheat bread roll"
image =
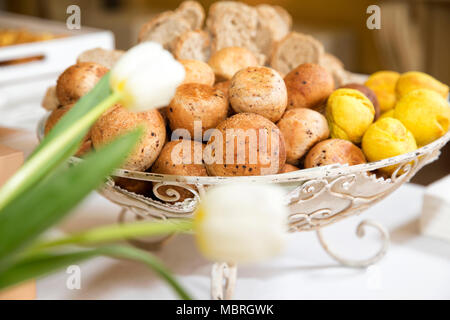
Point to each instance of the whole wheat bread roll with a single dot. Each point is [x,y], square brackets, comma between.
[302,128]
[227,61]
[259,90]
[119,120]
[197,104]
[55,116]
[334,151]
[77,80]
[198,72]
[308,85]
[245,144]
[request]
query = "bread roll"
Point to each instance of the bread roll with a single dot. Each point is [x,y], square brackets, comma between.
[308,86]
[259,90]
[197,102]
[77,80]
[288,168]
[245,144]
[55,116]
[302,128]
[198,72]
[228,61]
[334,151]
[120,120]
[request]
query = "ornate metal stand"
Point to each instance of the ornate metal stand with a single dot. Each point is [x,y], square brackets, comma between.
[224,275]
[223,281]
[360,233]
[316,197]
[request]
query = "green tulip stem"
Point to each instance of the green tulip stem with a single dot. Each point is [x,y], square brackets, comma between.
[115,232]
[29,173]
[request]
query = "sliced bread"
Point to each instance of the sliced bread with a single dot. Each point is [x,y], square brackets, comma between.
[232,24]
[285,15]
[106,58]
[295,49]
[50,101]
[335,67]
[193,45]
[165,28]
[272,27]
[193,12]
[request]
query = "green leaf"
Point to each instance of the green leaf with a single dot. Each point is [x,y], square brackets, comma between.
[42,264]
[116,232]
[27,217]
[61,142]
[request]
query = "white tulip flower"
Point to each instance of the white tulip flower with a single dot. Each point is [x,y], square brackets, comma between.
[146,77]
[241,223]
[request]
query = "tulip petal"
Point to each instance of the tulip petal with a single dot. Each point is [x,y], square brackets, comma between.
[241,223]
[146,77]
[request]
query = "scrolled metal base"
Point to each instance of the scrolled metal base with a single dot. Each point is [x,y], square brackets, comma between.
[360,233]
[223,281]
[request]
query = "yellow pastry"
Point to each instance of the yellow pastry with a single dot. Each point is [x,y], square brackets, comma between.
[349,114]
[425,113]
[414,80]
[386,138]
[383,84]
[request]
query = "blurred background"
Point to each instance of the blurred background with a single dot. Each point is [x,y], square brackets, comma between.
[413,34]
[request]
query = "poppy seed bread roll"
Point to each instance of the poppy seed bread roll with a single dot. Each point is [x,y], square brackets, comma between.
[302,128]
[197,103]
[77,80]
[245,144]
[259,90]
[119,120]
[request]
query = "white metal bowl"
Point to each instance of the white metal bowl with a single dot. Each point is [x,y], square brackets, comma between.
[316,196]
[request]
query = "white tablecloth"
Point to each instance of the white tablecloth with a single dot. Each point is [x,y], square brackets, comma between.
[414,267]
